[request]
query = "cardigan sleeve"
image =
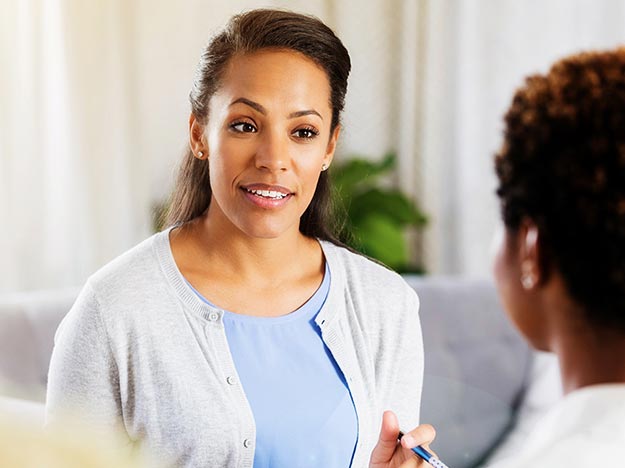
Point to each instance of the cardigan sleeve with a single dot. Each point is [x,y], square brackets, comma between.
[83,382]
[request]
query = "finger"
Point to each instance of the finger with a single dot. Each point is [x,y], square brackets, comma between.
[390,428]
[414,462]
[387,442]
[421,435]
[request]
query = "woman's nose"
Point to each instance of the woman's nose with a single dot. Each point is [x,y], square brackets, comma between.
[272,153]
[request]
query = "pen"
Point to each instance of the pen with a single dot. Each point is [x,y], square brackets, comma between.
[424,454]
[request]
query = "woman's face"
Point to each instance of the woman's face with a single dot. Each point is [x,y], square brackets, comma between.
[267,139]
[519,303]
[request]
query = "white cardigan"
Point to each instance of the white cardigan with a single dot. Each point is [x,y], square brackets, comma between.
[141,349]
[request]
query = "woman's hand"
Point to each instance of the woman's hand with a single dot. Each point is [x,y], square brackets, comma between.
[391,453]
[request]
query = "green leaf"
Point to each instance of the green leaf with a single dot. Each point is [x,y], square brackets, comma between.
[391,203]
[347,176]
[381,238]
[388,162]
[359,173]
[377,217]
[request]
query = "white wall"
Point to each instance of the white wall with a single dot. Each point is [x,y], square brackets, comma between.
[93,112]
[478,53]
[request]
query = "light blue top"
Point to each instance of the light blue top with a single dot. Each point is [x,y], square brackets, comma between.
[302,406]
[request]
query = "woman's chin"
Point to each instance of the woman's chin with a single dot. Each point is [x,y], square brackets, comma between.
[267,231]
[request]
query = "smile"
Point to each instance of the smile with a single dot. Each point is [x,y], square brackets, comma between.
[272,194]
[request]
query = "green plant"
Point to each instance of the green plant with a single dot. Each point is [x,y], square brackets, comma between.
[375,218]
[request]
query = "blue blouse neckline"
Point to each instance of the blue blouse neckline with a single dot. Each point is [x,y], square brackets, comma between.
[306,311]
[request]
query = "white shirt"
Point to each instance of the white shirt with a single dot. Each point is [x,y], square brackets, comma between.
[585,429]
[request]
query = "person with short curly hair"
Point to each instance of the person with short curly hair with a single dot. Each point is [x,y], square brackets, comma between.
[560,265]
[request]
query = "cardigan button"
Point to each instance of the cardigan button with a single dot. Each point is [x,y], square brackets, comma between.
[213,316]
[231,380]
[247,443]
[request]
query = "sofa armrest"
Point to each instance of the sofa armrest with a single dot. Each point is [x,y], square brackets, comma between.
[28,322]
[22,412]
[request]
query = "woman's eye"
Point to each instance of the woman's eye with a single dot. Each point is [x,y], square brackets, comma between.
[243,127]
[306,133]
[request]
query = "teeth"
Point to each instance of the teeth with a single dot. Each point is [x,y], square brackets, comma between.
[268,194]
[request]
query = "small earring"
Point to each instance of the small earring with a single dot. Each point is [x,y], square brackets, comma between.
[528,279]
[324,167]
[200,154]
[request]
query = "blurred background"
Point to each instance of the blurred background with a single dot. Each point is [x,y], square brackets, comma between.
[94,111]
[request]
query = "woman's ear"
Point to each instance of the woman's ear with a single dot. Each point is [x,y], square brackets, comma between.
[331,148]
[528,244]
[196,138]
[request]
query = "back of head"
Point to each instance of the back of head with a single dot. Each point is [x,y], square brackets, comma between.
[562,165]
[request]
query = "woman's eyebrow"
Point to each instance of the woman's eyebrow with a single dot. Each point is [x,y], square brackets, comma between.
[301,113]
[254,105]
[258,107]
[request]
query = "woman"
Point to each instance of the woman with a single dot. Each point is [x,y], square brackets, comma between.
[245,333]
[560,267]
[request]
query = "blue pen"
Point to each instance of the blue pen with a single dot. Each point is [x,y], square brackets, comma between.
[424,454]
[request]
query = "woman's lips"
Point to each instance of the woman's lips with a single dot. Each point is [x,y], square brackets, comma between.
[267,196]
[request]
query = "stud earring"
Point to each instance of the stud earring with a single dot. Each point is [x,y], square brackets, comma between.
[200,154]
[528,280]
[324,167]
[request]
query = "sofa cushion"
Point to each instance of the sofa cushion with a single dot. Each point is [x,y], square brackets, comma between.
[544,390]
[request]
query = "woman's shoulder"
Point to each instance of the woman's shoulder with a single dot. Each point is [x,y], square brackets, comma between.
[377,300]
[125,285]
[363,272]
[137,266]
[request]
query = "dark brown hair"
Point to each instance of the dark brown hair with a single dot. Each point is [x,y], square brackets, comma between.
[247,33]
[562,165]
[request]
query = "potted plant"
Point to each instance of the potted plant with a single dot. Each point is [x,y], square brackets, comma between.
[374,218]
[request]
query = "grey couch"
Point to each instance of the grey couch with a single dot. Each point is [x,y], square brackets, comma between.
[483,387]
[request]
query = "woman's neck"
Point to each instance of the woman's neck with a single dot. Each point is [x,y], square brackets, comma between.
[263,277]
[590,357]
[250,260]
[588,354]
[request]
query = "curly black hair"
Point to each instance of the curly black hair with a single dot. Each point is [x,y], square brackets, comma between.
[562,165]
